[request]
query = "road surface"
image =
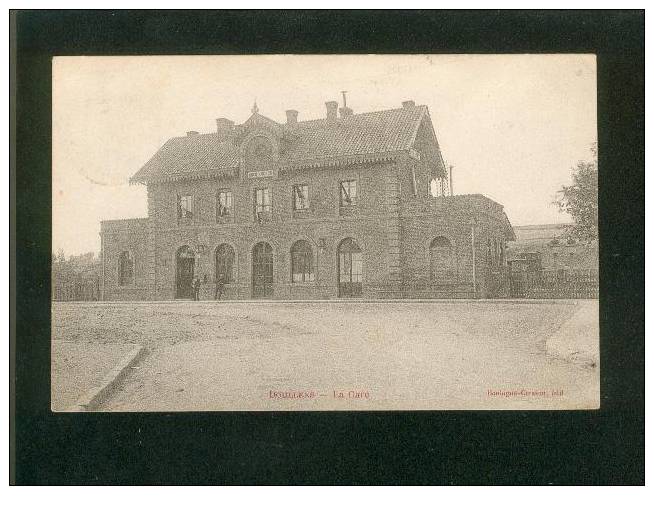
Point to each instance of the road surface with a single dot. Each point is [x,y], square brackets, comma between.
[326,356]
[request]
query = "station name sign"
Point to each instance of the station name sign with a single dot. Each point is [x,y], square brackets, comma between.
[259,174]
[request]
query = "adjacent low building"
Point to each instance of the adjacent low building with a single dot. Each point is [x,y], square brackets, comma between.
[553,247]
[348,205]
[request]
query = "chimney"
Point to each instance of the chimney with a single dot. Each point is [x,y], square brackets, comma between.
[345,111]
[408,104]
[332,108]
[223,124]
[291,117]
[191,133]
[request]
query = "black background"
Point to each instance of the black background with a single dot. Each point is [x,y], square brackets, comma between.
[555,447]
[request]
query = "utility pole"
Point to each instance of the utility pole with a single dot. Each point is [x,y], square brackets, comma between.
[103,272]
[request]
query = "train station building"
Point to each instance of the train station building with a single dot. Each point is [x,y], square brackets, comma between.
[347,205]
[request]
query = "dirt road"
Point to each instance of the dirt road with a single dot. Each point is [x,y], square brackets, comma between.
[323,356]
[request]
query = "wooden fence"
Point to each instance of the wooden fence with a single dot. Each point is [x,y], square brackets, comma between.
[76,288]
[544,284]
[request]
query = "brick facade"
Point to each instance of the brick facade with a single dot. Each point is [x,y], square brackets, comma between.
[394,222]
[129,235]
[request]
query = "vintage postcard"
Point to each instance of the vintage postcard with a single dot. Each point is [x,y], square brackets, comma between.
[326,232]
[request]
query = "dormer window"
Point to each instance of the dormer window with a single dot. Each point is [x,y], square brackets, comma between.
[259,152]
[262,150]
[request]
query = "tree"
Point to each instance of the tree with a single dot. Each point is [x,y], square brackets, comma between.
[580,199]
[75,277]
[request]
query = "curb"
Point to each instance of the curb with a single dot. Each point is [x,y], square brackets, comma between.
[94,397]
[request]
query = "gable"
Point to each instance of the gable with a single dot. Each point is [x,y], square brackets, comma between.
[426,144]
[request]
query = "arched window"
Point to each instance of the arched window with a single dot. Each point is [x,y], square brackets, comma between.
[225,263]
[259,152]
[441,260]
[302,261]
[125,269]
[350,269]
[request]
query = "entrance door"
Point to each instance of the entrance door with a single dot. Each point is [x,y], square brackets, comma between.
[518,284]
[262,271]
[350,269]
[184,272]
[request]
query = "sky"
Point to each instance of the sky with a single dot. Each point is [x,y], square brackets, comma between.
[512,126]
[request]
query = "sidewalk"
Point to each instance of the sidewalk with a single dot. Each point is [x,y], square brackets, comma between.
[82,370]
[577,341]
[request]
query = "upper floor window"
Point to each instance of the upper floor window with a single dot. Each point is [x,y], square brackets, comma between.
[300,197]
[263,201]
[348,193]
[224,205]
[185,207]
[125,269]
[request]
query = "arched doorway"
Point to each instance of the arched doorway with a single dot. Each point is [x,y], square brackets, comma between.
[225,263]
[350,269]
[184,271]
[125,269]
[301,262]
[262,271]
[441,261]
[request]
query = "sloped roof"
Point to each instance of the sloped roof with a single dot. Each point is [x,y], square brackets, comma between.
[373,132]
[472,200]
[186,156]
[308,143]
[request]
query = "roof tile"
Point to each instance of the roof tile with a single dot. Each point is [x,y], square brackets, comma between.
[369,133]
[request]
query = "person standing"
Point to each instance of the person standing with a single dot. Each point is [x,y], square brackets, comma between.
[196,289]
[220,288]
